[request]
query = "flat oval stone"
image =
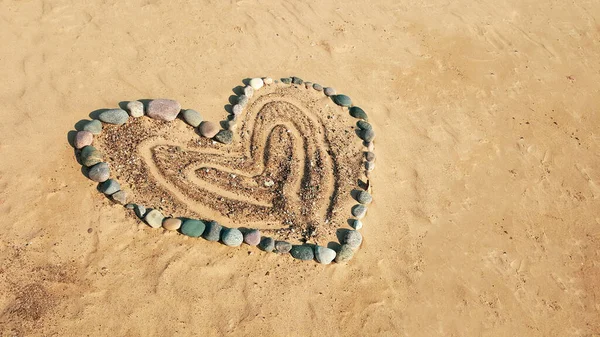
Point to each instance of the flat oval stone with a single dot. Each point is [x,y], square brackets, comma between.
[208,129]
[364,197]
[136,108]
[248,91]
[114,116]
[363,125]
[359,211]
[224,136]
[99,172]
[297,80]
[213,231]
[317,87]
[109,187]
[120,197]
[171,224]
[192,117]
[369,156]
[359,113]
[252,237]
[154,218]
[353,239]
[367,135]
[268,80]
[237,109]
[342,100]
[243,100]
[324,255]
[83,138]
[267,244]
[256,83]
[232,237]
[357,224]
[344,254]
[308,85]
[163,109]
[286,80]
[282,247]
[194,228]
[329,91]
[302,252]
[94,126]
[90,156]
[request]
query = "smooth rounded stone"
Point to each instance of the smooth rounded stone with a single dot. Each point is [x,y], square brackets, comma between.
[317,87]
[353,239]
[324,255]
[267,244]
[140,210]
[248,91]
[367,135]
[370,146]
[114,116]
[369,166]
[252,237]
[268,80]
[370,156]
[357,112]
[154,218]
[83,138]
[110,186]
[342,100]
[94,126]
[302,252]
[237,109]
[99,172]
[208,129]
[282,247]
[357,224]
[171,224]
[243,100]
[232,237]
[286,80]
[231,125]
[213,231]
[364,125]
[308,85]
[90,156]
[163,109]
[297,80]
[224,136]
[196,228]
[359,211]
[136,108]
[256,83]
[329,91]
[120,197]
[192,117]
[345,254]
[364,197]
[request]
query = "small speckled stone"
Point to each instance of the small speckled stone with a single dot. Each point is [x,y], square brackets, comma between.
[94,126]
[90,156]
[282,247]
[163,109]
[224,136]
[286,80]
[357,224]
[342,100]
[136,108]
[353,239]
[99,172]
[252,237]
[324,255]
[268,80]
[256,83]
[344,254]
[213,231]
[237,109]
[248,91]
[364,125]
[370,156]
[119,197]
[154,218]
[297,80]
[364,197]
[232,237]
[317,87]
[114,116]
[302,252]
[370,146]
[308,85]
[359,211]
[208,129]
[267,244]
[83,138]
[171,224]
[369,166]
[367,135]
[195,228]
[357,112]
[329,91]
[243,100]
[109,187]
[192,117]
[140,211]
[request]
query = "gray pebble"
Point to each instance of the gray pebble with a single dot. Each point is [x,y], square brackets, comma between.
[353,239]
[370,156]
[329,91]
[94,126]
[90,156]
[364,197]
[243,100]
[114,116]
[267,244]
[154,218]
[302,252]
[282,247]
[237,109]
[120,197]
[213,231]
[369,166]
[317,87]
[324,255]
[224,136]
[367,135]
[357,112]
[341,100]
[359,211]
[248,91]
[99,172]
[357,224]
[297,80]
[363,125]
[344,254]
[192,117]
[109,187]
[232,237]
[136,108]
[286,80]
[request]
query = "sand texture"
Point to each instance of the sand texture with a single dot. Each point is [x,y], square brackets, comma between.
[486,212]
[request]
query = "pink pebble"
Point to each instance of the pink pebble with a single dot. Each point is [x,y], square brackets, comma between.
[83,138]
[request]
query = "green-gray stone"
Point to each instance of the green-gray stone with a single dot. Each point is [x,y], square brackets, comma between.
[303,252]
[317,87]
[342,100]
[94,126]
[344,254]
[367,135]
[99,172]
[353,239]
[359,211]
[364,197]
[232,237]
[192,227]
[224,136]
[297,80]
[357,224]
[286,80]
[192,117]
[90,156]
[114,116]
[213,231]
[267,244]
[109,187]
[364,125]
[359,113]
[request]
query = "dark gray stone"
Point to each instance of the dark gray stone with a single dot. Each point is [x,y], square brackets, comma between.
[109,187]
[267,244]
[224,136]
[363,125]
[302,252]
[364,197]
[297,80]
[192,227]
[359,113]
[342,100]
[213,231]
[359,211]
[367,135]
[286,80]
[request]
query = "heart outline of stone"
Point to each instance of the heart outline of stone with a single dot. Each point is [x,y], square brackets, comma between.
[168,110]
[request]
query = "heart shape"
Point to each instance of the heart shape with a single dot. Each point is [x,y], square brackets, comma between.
[288,171]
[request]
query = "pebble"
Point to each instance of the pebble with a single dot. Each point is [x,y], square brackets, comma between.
[237,109]
[224,136]
[243,100]
[163,109]
[114,116]
[231,125]
[252,238]
[359,113]
[344,254]
[257,83]
[370,156]
[317,87]
[324,255]
[90,156]
[94,126]
[367,135]
[171,224]
[342,100]
[268,80]
[267,244]
[359,211]
[195,228]
[357,224]
[364,125]
[248,91]
[232,237]
[353,239]
[213,231]
[308,85]
[369,166]
[364,197]
[136,108]
[154,218]
[370,146]
[297,80]
[286,80]
[208,129]
[329,91]
[120,197]
[99,172]
[140,210]
[282,247]
[83,138]
[192,117]
[109,187]
[302,252]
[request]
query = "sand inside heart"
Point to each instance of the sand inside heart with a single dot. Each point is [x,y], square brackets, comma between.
[290,171]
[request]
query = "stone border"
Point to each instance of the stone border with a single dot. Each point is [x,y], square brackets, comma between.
[168,110]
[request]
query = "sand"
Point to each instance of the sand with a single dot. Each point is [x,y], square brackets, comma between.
[486,213]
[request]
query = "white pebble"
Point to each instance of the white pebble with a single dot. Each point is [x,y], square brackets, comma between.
[256,83]
[268,80]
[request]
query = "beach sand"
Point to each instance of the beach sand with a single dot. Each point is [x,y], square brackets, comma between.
[486,215]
